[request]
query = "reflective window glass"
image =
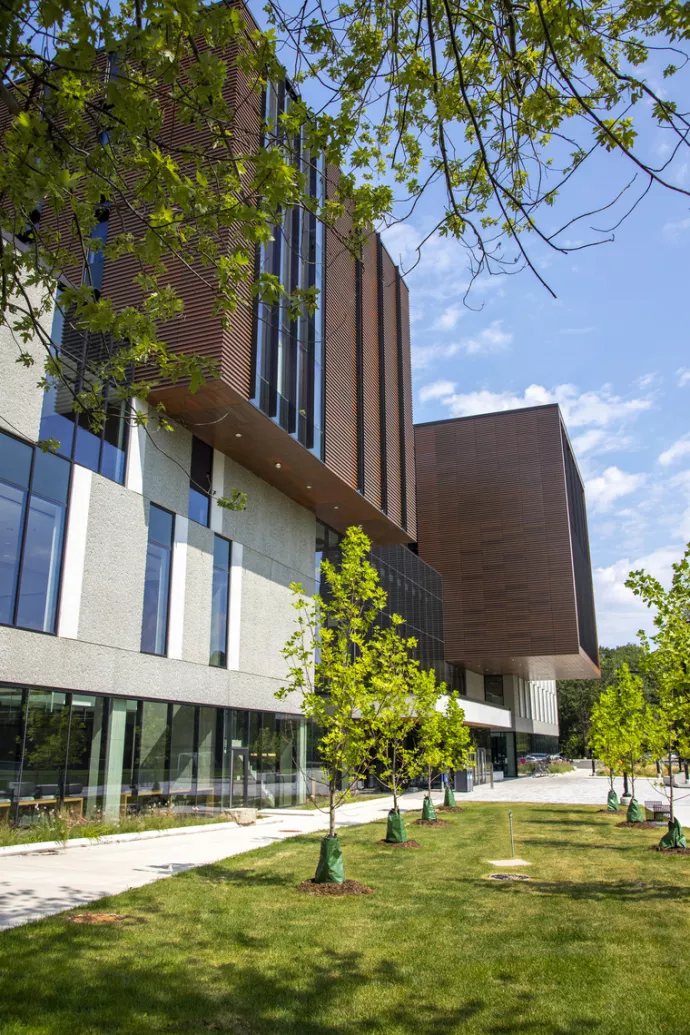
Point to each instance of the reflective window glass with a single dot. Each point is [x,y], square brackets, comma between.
[12,503]
[11,737]
[40,572]
[154,627]
[220,601]
[182,750]
[153,752]
[15,461]
[47,739]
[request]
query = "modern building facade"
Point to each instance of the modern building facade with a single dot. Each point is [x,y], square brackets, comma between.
[141,624]
[501,516]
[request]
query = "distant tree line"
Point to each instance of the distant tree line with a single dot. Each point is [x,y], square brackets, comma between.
[577,697]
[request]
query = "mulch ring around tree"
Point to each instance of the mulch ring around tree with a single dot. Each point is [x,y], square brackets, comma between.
[647,825]
[410,843]
[348,887]
[432,823]
[449,808]
[104,918]
[670,851]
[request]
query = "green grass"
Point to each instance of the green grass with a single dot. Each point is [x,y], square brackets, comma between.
[60,826]
[595,943]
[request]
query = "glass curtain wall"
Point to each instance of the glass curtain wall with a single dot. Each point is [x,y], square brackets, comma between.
[288,353]
[34,488]
[220,602]
[92,754]
[154,627]
[102,448]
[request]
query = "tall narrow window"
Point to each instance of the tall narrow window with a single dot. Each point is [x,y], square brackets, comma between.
[200,482]
[220,602]
[33,505]
[154,627]
[103,448]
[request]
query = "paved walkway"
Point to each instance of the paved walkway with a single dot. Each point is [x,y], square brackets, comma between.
[40,884]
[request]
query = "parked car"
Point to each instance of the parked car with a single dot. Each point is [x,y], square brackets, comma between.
[537,756]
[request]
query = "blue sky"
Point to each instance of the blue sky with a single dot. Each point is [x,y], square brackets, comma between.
[612,349]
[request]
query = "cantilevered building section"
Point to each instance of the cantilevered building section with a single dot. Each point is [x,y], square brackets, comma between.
[501,515]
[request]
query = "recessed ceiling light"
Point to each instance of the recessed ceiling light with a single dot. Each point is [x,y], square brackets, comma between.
[278,466]
[238,434]
[309,486]
[336,508]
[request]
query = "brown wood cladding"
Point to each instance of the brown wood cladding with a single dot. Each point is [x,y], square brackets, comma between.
[493,519]
[340,349]
[409,474]
[370,343]
[199,330]
[390,330]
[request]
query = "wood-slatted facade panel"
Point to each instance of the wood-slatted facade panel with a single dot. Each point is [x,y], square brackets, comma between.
[409,473]
[340,349]
[371,374]
[493,519]
[390,331]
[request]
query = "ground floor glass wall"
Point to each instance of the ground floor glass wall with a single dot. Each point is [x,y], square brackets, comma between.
[90,753]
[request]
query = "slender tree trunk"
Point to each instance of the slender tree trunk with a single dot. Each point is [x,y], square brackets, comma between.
[670,782]
[611,779]
[632,773]
[395,780]
[429,781]
[331,790]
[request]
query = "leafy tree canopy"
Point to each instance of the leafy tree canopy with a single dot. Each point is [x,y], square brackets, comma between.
[501,104]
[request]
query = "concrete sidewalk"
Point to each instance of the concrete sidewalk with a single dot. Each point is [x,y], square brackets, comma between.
[41,884]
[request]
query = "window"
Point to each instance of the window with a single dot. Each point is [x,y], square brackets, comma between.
[154,626]
[493,690]
[200,482]
[33,503]
[288,353]
[220,602]
[100,449]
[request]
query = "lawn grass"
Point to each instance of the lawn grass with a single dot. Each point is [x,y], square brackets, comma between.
[595,943]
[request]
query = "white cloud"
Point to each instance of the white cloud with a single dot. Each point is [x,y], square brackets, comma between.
[448,318]
[491,339]
[646,380]
[683,375]
[619,613]
[424,355]
[611,485]
[575,330]
[596,441]
[580,409]
[672,231]
[437,390]
[679,448]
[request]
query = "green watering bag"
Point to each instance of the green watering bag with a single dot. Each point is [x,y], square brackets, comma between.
[395,831]
[449,798]
[674,838]
[330,869]
[612,803]
[635,813]
[428,810]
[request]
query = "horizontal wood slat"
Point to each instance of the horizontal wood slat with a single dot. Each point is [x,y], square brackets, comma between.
[493,519]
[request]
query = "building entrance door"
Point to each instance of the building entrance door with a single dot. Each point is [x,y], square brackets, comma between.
[481,773]
[239,777]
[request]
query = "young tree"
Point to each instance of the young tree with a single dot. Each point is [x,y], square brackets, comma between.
[667,656]
[332,663]
[443,736]
[396,684]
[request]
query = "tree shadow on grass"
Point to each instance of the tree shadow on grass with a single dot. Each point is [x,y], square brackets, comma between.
[565,822]
[218,874]
[585,845]
[73,988]
[622,890]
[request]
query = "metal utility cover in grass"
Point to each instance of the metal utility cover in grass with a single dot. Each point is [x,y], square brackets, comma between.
[509,862]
